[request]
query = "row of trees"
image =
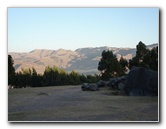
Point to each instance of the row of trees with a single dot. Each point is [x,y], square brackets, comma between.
[145,57]
[53,76]
[110,66]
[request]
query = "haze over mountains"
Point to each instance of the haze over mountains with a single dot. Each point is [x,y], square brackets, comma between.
[82,60]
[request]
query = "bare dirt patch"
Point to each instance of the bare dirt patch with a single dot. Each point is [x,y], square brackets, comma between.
[70,103]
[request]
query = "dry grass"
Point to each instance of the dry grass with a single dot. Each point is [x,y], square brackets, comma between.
[69,103]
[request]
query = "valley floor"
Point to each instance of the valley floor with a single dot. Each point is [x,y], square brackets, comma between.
[70,103]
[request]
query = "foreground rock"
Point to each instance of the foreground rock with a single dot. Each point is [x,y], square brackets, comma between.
[89,87]
[141,82]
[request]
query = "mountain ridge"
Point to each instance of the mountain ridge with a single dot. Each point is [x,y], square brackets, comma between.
[83,60]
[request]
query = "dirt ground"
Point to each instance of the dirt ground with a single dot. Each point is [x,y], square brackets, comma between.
[70,103]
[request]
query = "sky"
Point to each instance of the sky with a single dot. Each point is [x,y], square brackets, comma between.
[72,28]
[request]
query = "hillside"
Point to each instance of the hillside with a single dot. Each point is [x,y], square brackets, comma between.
[82,60]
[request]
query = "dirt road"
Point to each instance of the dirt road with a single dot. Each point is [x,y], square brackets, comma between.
[70,103]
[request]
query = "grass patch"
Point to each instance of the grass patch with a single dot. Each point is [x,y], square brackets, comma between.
[70,103]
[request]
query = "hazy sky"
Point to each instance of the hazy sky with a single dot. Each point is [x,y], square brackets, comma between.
[72,28]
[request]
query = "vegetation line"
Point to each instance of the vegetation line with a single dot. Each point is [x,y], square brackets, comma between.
[109,67]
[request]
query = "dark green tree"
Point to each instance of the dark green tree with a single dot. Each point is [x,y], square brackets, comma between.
[35,80]
[151,59]
[141,50]
[140,53]
[92,78]
[50,75]
[11,70]
[83,79]
[133,62]
[25,76]
[34,73]
[145,57]
[74,78]
[124,63]
[109,66]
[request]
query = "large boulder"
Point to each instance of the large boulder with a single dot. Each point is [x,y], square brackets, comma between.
[141,82]
[121,86]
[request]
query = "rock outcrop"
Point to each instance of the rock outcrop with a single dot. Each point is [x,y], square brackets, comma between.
[141,82]
[101,83]
[116,83]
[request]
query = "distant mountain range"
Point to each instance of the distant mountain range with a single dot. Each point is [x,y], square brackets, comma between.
[82,60]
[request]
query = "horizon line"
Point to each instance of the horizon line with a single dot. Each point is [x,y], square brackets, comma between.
[71,49]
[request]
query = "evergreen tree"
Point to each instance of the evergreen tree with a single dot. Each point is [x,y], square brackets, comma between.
[109,66]
[34,73]
[124,63]
[11,70]
[74,78]
[133,62]
[151,59]
[140,53]
[145,57]
[50,76]
[34,76]
[83,79]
